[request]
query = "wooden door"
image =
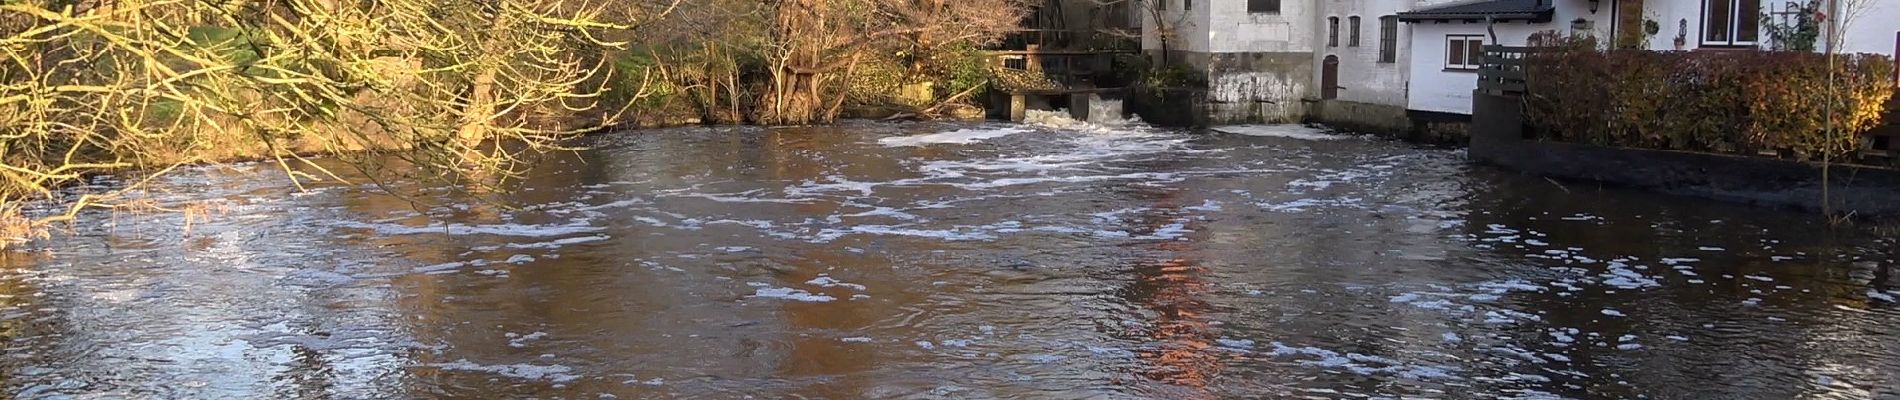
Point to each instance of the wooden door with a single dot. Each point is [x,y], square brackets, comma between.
[1329,79]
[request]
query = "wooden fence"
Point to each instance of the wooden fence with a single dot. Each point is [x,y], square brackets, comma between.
[1502,70]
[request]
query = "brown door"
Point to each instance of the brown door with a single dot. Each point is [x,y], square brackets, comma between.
[1329,79]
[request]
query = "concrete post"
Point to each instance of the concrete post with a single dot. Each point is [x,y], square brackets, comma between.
[1018,108]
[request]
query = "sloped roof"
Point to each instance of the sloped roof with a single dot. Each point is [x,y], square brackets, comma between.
[1501,10]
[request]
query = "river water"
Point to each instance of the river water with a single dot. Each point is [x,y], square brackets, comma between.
[933,260]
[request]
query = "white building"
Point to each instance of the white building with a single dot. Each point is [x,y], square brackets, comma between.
[1406,65]
[1445,39]
[1364,64]
[1257,54]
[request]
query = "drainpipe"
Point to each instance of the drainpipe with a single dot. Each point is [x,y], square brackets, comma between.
[1318,19]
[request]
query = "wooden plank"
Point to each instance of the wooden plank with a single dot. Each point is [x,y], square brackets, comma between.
[1504,75]
[1511,87]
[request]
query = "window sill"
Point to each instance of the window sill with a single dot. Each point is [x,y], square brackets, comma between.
[1469,70]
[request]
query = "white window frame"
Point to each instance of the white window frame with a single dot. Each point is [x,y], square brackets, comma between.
[1463,40]
[1734,25]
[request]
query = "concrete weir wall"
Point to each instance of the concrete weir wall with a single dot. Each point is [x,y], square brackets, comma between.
[1257,87]
[1381,119]
[1497,138]
[1242,88]
[1168,107]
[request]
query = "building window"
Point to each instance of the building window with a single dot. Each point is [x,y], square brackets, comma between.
[1731,22]
[1389,39]
[1187,4]
[1464,52]
[1332,31]
[1352,34]
[1160,5]
[1263,6]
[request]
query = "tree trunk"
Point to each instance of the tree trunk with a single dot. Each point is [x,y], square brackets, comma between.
[479,112]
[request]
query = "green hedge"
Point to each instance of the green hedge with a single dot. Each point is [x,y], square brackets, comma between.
[1740,102]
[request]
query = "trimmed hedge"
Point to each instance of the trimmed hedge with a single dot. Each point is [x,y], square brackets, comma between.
[1739,102]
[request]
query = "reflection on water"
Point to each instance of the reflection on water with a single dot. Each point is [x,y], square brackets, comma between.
[1064,260]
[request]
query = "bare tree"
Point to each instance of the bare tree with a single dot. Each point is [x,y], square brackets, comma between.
[814,42]
[1166,26]
[92,86]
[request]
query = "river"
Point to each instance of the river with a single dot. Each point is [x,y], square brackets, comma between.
[953,260]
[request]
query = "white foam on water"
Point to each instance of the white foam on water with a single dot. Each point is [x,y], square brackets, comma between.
[1300,205]
[439,268]
[1613,312]
[558,242]
[1132,176]
[767,292]
[960,136]
[1104,115]
[1621,277]
[1239,344]
[1877,295]
[826,281]
[516,340]
[553,373]
[740,198]
[885,212]
[960,233]
[1173,231]
[1288,131]
[1206,205]
[512,230]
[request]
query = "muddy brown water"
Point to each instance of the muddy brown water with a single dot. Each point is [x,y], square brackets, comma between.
[956,261]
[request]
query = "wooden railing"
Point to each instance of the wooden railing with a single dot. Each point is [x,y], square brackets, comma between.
[1502,70]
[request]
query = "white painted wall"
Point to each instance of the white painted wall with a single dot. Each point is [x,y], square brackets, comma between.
[1225,26]
[1362,78]
[1871,32]
[1674,17]
[1433,88]
[1234,30]
[1191,26]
